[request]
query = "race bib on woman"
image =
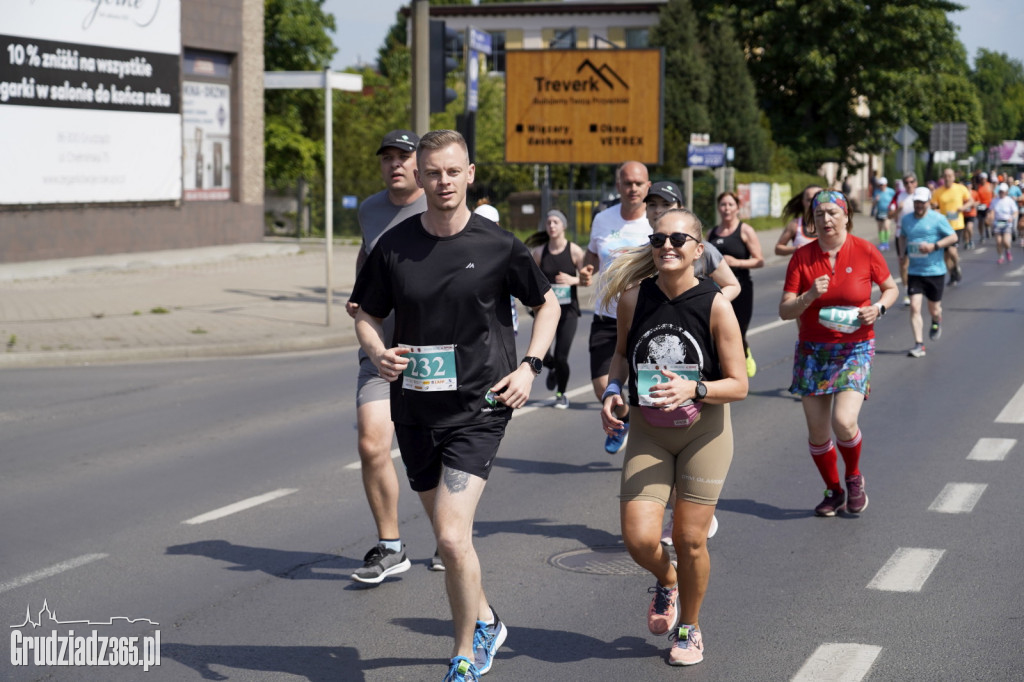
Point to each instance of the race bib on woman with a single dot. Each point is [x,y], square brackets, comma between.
[648,376]
[563,292]
[840,319]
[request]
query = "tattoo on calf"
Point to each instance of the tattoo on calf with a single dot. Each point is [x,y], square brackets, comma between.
[455,481]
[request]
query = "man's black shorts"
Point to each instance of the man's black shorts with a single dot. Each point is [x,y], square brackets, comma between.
[467,447]
[930,286]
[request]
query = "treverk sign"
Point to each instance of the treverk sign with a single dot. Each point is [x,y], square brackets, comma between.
[583,106]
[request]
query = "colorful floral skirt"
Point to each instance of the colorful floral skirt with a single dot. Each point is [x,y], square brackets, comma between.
[824,368]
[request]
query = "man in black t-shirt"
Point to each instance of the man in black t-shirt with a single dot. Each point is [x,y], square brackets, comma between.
[447,274]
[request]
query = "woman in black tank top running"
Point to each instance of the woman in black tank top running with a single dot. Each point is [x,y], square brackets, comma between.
[560,260]
[742,251]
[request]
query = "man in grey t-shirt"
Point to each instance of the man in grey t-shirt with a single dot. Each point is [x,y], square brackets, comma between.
[401,199]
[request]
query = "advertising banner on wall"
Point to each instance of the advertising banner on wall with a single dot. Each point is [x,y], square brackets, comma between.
[90,108]
[207,129]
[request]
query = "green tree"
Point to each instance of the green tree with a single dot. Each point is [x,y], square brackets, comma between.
[841,76]
[732,101]
[295,39]
[999,81]
[687,82]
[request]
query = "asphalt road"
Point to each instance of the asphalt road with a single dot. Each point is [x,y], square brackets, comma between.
[220,500]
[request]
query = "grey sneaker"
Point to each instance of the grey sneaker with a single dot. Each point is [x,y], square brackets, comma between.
[486,641]
[834,502]
[935,333]
[436,562]
[561,402]
[856,498]
[917,351]
[381,562]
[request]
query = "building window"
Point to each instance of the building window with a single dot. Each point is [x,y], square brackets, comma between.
[497,58]
[565,39]
[638,37]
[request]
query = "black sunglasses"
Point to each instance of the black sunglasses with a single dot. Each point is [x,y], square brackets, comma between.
[658,239]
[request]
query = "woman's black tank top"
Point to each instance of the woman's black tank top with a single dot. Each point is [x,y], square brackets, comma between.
[672,331]
[552,264]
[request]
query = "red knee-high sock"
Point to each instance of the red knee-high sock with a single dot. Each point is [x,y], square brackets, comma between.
[850,450]
[825,458]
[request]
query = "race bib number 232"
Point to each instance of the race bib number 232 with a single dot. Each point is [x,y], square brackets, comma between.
[430,368]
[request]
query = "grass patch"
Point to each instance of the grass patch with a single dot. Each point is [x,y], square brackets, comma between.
[159,310]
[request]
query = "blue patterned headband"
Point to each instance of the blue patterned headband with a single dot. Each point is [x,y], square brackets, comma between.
[830,197]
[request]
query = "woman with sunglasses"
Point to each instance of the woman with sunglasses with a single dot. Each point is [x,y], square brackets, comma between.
[680,351]
[828,287]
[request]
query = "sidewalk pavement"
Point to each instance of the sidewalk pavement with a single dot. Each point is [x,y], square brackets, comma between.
[243,299]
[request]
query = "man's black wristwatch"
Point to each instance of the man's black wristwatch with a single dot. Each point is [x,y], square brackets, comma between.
[536,364]
[700,392]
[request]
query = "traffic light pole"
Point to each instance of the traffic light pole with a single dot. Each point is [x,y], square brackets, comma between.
[420,66]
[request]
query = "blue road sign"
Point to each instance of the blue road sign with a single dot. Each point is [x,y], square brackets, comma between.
[705,155]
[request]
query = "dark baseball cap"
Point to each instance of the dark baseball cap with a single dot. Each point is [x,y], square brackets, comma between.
[406,140]
[669,191]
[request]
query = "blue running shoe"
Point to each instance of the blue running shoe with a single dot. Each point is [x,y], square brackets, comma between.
[486,640]
[462,670]
[615,441]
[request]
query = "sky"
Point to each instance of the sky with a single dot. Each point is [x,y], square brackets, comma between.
[362,24]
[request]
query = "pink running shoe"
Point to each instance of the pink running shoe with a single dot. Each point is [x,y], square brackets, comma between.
[1000,260]
[687,647]
[664,612]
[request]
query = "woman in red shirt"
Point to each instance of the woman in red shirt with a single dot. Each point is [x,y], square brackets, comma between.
[828,287]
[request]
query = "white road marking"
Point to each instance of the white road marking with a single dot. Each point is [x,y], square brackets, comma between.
[771,325]
[991,449]
[1019,272]
[838,663]
[240,506]
[49,572]
[958,498]
[906,570]
[1013,412]
[1000,284]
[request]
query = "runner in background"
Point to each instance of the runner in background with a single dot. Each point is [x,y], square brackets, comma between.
[952,200]
[797,210]
[741,248]
[902,206]
[613,230]
[400,199]
[560,260]
[883,196]
[924,235]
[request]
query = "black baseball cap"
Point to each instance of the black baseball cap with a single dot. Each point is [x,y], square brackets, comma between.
[406,140]
[669,191]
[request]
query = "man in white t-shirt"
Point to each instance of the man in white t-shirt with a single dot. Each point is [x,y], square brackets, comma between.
[615,228]
[902,206]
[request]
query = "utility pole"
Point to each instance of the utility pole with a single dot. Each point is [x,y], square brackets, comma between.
[421,66]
